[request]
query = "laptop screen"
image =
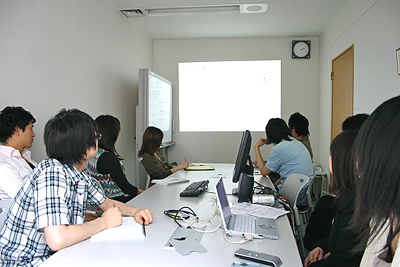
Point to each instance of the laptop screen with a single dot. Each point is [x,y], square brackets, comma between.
[223,201]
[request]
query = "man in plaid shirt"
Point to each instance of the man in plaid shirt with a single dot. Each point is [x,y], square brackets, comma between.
[48,212]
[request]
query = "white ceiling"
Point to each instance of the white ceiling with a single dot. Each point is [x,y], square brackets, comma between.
[297,18]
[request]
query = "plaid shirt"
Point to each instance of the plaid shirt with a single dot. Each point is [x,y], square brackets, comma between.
[54,194]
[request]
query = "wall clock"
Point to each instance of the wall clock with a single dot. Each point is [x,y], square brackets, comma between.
[301,49]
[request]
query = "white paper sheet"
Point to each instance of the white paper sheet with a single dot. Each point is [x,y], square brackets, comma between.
[129,229]
[258,210]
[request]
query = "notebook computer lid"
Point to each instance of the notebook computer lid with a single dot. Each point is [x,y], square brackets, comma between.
[223,204]
[264,227]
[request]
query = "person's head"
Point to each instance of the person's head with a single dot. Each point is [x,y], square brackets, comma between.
[377,161]
[152,139]
[341,163]
[277,130]
[109,127]
[16,127]
[69,136]
[298,125]
[354,122]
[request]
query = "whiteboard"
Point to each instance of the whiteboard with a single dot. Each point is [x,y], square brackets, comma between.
[154,105]
[159,103]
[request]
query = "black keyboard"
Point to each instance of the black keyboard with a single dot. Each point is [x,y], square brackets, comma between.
[194,189]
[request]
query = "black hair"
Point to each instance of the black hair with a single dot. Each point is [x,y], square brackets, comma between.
[277,130]
[152,139]
[109,127]
[354,122]
[377,166]
[342,164]
[299,123]
[11,117]
[68,135]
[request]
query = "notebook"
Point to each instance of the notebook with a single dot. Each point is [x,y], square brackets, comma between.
[239,225]
[128,230]
[199,167]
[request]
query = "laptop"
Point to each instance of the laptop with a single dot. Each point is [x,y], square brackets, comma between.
[240,225]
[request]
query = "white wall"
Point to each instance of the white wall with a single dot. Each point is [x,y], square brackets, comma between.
[373,27]
[300,81]
[72,54]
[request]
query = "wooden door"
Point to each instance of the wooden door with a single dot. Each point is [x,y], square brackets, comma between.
[342,89]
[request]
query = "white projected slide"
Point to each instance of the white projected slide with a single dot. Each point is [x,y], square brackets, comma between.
[229,95]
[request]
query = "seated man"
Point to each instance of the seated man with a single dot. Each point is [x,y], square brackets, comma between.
[16,135]
[287,156]
[50,208]
[298,124]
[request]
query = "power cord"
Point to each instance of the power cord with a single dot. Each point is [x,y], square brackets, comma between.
[247,238]
[187,215]
[213,212]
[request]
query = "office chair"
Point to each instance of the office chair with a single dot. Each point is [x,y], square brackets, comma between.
[290,190]
[317,170]
[306,212]
[148,176]
[147,182]
[5,205]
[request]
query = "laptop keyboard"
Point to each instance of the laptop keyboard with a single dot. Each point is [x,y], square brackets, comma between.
[244,224]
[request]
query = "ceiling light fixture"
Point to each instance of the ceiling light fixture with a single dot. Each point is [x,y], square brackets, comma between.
[197,10]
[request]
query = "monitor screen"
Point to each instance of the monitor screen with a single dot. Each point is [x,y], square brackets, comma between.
[243,161]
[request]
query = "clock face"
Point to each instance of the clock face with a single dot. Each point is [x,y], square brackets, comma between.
[301,49]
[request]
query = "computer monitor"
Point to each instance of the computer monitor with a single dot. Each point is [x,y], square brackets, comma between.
[243,161]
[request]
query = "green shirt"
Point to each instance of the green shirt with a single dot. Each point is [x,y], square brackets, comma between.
[157,168]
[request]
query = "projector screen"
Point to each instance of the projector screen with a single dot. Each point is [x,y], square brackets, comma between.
[229,96]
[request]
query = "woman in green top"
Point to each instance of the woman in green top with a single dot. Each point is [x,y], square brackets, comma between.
[151,157]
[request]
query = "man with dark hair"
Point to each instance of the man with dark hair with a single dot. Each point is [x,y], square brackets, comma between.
[16,135]
[354,122]
[298,124]
[50,208]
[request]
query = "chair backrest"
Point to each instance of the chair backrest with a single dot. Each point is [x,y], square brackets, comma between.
[5,205]
[148,176]
[317,170]
[309,202]
[292,187]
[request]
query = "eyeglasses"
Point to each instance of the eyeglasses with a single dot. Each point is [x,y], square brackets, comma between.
[98,136]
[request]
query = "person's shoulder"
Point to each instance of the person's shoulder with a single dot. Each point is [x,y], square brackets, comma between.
[6,152]
[107,156]
[50,164]
[4,160]
[285,143]
[105,153]
[146,155]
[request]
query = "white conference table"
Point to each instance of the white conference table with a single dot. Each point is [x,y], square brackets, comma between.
[150,250]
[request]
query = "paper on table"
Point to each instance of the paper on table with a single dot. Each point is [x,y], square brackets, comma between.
[129,229]
[200,167]
[258,210]
[170,180]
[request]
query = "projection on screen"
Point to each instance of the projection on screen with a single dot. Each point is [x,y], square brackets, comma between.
[229,95]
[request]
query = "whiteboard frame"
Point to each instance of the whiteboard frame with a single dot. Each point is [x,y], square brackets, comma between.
[142,118]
